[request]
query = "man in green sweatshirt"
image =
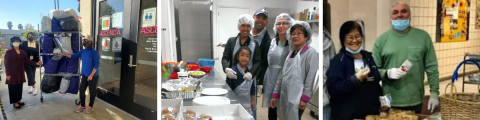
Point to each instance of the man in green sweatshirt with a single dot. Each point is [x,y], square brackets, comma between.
[406,43]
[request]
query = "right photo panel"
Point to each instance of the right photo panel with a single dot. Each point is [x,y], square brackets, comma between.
[401,59]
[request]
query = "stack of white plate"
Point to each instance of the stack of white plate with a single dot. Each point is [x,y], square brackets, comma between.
[210,100]
[214,91]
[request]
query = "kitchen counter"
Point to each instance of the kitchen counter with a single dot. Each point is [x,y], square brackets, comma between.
[215,81]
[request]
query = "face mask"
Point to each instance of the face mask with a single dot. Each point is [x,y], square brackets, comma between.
[16,44]
[354,52]
[400,25]
[86,45]
[30,39]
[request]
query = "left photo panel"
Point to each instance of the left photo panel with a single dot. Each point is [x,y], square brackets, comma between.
[78,59]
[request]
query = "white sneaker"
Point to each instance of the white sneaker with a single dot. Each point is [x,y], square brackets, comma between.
[34,91]
[30,89]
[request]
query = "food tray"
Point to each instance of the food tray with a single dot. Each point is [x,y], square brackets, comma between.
[222,112]
[181,95]
[177,104]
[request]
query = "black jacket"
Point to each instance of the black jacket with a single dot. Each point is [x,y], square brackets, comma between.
[350,99]
[227,61]
[264,47]
[31,51]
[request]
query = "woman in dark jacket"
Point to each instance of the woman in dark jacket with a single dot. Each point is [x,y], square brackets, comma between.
[31,48]
[14,69]
[353,78]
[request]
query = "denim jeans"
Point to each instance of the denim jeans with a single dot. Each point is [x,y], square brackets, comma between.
[326,112]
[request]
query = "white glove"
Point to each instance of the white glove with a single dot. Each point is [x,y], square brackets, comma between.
[230,73]
[432,104]
[248,76]
[395,73]
[259,89]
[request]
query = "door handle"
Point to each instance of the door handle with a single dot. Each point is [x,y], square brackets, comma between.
[130,64]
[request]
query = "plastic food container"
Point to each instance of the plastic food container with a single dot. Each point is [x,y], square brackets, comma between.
[206,62]
[206,69]
[182,75]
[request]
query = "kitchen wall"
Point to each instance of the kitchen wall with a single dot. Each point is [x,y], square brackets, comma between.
[449,54]
[377,21]
[294,6]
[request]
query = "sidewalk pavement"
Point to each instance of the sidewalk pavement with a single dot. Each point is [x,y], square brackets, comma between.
[55,106]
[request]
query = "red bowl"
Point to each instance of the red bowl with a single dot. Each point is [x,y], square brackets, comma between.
[206,69]
[173,76]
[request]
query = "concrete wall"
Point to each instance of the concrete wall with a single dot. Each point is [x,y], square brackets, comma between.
[86,14]
[377,21]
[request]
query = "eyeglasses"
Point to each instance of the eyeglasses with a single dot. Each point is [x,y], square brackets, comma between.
[282,24]
[356,37]
[295,34]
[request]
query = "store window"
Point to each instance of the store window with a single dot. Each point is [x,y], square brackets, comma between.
[109,44]
[146,71]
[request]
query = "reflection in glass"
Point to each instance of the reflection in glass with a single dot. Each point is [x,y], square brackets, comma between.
[146,71]
[110,31]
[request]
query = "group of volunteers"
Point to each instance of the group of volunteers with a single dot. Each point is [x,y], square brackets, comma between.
[356,78]
[25,57]
[285,65]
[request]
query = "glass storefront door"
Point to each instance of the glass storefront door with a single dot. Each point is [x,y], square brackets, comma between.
[146,69]
[125,34]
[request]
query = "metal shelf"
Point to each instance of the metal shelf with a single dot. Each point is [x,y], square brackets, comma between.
[60,32]
[67,75]
[470,56]
[48,53]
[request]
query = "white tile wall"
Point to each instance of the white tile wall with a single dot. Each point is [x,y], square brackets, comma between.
[449,54]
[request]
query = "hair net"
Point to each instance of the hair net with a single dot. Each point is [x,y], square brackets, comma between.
[284,16]
[245,19]
[307,28]
[15,38]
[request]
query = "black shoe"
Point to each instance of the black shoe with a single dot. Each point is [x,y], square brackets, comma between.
[21,104]
[18,107]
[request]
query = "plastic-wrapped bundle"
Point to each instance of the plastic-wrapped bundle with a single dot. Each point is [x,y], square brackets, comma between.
[56,27]
[47,43]
[72,65]
[76,43]
[62,66]
[66,44]
[46,24]
[69,24]
[51,66]
[65,83]
[50,84]
[74,83]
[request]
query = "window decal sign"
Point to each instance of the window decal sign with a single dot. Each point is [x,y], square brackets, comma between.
[149,17]
[106,44]
[106,23]
[117,44]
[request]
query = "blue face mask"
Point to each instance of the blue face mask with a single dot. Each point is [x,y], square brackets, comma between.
[354,52]
[400,25]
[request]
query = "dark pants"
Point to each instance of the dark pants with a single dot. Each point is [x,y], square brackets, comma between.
[416,108]
[272,113]
[30,71]
[92,86]
[300,113]
[15,92]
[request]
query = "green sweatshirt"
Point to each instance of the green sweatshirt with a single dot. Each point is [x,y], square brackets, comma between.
[391,49]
